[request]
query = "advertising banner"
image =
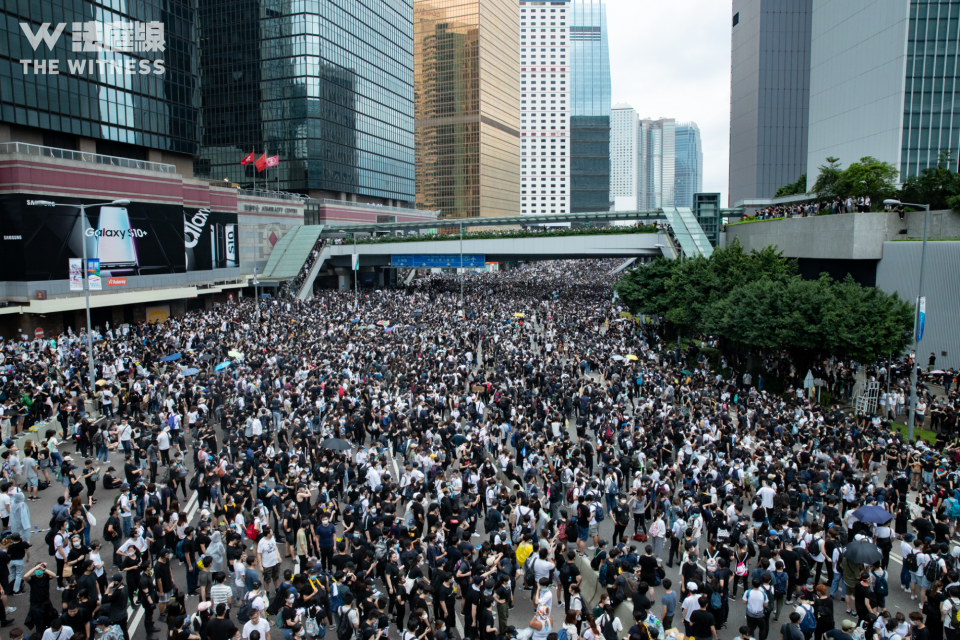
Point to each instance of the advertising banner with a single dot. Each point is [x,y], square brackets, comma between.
[76,274]
[922,318]
[137,239]
[210,239]
[93,274]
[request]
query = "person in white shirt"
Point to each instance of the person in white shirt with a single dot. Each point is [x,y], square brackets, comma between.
[268,558]
[766,494]
[258,623]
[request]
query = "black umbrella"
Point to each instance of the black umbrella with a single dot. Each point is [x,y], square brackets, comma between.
[862,552]
[335,444]
[207,356]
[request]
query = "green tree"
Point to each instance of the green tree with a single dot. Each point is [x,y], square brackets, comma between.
[868,177]
[825,185]
[954,203]
[643,289]
[756,302]
[934,186]
[796,188]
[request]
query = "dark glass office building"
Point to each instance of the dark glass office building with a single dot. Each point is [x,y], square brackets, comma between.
[112,99]
[589,108]
[325,84]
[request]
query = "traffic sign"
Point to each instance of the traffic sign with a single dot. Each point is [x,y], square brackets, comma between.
[38,333]
[451,260]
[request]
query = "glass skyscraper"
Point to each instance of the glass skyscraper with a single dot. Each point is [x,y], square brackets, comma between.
[589,108]
[100,106]
[325,84]
[931,105]
[688,165]
[467,107]
[657,142]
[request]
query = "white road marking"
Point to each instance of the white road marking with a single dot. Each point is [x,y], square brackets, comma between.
[132,627]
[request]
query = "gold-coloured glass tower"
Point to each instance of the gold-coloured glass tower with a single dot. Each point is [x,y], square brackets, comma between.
[467,106]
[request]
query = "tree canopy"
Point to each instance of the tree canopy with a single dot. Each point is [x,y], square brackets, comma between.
[797,188]
[757,300]
[935,186]
[868,177]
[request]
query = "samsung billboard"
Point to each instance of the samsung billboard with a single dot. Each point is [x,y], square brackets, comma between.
[137,239]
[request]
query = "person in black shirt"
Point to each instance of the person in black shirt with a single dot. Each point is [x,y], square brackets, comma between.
[190,555]
[77,619]
[486,623]
[221,627]
[164,578]
[703,622]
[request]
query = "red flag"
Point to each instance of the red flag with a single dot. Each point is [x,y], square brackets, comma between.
[261,162]
[273,161]
[249,158]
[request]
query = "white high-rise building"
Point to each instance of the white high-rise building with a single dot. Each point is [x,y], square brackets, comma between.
[624,158]
[544,107]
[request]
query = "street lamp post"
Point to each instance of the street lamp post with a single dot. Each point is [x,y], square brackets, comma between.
[916,311]
[86,279]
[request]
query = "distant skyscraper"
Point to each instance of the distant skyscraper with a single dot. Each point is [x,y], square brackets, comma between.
[624,158]
[589,108]
[544,116]
[322,85]
[467,97]
[770,91]
[657,161]
[688,168]
[901,60]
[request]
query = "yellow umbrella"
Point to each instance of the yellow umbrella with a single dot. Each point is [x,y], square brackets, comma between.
[632,357]
[101,382]
[234,354]
[518,315]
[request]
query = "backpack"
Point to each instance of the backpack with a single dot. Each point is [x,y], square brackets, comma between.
[911,562]
[570,495]
[561,634]
[179,551]
[595,563]
[741,569]
[953,508]
[598,512]
[251,531]
[49,539]
[716,602]
[528,573]
[808,623]
[880,586]
[246,610]
[954,611]
[932,571]
[344,627]
[380,552]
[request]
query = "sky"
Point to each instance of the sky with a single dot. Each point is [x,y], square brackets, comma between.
[672,60]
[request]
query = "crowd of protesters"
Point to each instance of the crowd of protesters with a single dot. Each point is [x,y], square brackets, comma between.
[399,468]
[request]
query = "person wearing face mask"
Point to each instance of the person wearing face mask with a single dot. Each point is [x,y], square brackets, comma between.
[75,556]
[326,533]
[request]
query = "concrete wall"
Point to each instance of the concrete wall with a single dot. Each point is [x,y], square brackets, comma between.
[850,236]
[769,95]
[61,288]
[899,271]
[857,70]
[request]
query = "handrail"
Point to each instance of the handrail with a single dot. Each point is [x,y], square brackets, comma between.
[83,156]
[366,205]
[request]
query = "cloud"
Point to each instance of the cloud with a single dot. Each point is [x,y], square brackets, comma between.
[672,60]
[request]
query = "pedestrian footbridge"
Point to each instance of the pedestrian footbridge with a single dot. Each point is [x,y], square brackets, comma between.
[290,254]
